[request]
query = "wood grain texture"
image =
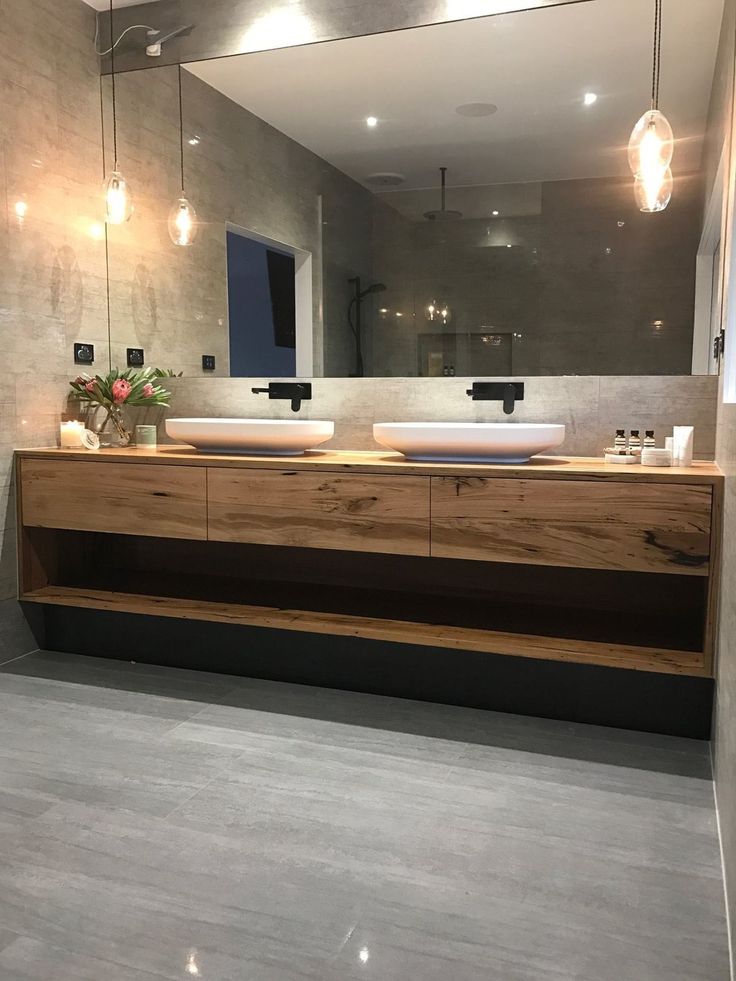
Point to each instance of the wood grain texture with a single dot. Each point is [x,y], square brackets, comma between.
[163,502]
[341,461]
[714,582]
[394,631]
[342,511]
[642,528]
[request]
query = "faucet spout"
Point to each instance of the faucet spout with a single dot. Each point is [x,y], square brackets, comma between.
[507,392]
[509,398]
[294,392]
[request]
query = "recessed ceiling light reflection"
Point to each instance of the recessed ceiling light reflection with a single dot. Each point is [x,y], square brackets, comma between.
[20,208]
[495,214]
[589,99]
[191,966]
[194,140]
[371,122]
[363,955]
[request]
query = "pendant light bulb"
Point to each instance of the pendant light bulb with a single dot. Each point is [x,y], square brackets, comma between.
[653,190]
[182,217]
[183,223]
[118,199]
[652,144]
[118,196]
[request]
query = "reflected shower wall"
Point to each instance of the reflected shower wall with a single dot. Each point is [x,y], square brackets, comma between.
[568,278]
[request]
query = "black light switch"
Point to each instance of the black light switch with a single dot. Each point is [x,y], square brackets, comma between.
[208,362]
[136,357]
[84,354]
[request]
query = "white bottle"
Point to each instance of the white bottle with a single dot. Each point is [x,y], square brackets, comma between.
[682,446]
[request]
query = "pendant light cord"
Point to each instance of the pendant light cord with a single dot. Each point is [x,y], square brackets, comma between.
[114,106]
[181,133]
[656,52]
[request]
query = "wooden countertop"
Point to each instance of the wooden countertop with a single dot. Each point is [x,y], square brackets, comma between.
[368,461]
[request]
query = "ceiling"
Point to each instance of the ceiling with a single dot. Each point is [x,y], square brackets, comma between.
[534,65]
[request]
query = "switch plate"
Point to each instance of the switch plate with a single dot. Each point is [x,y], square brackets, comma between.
[84,354]
[208,362]
[136,357]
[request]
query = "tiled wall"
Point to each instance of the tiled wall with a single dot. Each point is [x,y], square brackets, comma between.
[588,285]
[591,407]
[52,264]
[724,740]
[724,732]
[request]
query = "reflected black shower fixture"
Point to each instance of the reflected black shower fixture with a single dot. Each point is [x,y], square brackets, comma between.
[157,38]
[443,213]
[356,324]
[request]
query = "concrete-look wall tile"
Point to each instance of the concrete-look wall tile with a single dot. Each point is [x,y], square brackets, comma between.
[356,403]
[724,732]
[659,403]
[53,284]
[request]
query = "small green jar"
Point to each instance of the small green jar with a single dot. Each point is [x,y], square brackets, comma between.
[145,436]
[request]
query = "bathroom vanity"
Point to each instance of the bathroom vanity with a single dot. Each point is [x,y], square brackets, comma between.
[562,559]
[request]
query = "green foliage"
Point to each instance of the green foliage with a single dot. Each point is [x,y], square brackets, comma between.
[102,390]
[166,373]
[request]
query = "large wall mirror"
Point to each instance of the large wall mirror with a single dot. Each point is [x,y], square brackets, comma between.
[326,244]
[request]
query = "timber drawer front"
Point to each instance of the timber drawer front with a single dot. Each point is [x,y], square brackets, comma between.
[122,498]
[359,512]
[638,527]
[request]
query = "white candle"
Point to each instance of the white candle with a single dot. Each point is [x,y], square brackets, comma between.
[71,435]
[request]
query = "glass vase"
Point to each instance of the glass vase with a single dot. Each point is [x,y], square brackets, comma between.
[115,430]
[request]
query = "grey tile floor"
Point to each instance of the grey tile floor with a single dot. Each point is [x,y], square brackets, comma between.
[168,824]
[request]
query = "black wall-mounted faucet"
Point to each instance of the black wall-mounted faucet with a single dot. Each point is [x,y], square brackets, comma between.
[507,392]
[296,391]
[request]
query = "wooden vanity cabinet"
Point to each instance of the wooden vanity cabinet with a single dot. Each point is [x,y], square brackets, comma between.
[559,560]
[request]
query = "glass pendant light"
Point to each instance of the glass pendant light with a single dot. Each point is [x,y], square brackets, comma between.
[118,196]
[182,217]
[652,142]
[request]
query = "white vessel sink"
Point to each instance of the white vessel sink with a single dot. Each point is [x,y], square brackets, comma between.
[262,437]
[469,442]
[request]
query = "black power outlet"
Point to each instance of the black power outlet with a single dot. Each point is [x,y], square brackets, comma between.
[208,362]
[136,357]
[84,354]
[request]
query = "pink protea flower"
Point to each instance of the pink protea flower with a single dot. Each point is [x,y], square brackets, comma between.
[120,390]
[147,391]
[90,386]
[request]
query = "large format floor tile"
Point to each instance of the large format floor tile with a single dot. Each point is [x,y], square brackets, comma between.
[168,824]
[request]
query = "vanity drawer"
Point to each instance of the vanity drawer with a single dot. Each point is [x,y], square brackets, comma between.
[357,512]
[584,524]
[123,498]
